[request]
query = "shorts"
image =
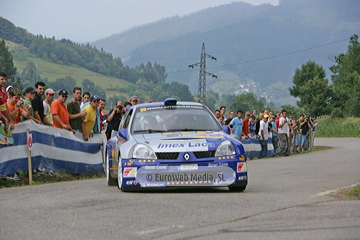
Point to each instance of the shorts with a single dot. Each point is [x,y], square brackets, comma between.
[303,139]
[296,139]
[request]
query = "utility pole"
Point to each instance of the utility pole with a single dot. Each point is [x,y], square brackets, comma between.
[202,74]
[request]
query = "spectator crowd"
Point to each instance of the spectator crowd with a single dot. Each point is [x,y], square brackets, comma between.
[83,113]
[289,134]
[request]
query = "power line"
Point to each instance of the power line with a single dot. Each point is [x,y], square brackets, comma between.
[266,58]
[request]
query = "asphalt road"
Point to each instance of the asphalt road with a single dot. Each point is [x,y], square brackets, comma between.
[285,199]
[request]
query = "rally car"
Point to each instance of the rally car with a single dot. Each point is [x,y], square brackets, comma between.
[174,144]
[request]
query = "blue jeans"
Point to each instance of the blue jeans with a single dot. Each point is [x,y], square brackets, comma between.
[264,149]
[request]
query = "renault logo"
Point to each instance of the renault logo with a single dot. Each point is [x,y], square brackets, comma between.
[186,156]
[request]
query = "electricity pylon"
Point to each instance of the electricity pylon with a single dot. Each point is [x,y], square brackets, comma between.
[202,74]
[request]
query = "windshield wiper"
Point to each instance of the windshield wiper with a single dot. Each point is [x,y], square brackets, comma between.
[149,131]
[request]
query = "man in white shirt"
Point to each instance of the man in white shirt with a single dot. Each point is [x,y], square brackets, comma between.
[264,135]
[283,134]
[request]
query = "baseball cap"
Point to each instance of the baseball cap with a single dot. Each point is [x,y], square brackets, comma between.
[266,116]
[63,92]
[134,98]
[8,88]
[95,97]
[30,90]
[49,91]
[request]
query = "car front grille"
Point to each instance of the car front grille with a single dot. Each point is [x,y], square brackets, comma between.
[175,155]
[167,155]
[204,154]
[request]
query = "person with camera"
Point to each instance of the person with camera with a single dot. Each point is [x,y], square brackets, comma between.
[305,126]
[114,118]
[26,105]
[14,105]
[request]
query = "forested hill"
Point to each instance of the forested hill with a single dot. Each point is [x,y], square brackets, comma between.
[67,52]
[122,44]
[245,44]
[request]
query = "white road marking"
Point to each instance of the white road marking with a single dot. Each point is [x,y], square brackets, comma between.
[335,190]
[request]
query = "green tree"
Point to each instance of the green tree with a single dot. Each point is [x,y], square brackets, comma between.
[6,61]
[346,79]
[67,83]
[246,102]
[308,71]
[315,97]
[29,76]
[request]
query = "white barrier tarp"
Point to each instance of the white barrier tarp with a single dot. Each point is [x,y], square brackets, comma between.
[53,148]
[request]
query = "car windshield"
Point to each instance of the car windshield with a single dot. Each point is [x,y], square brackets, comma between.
[174,118]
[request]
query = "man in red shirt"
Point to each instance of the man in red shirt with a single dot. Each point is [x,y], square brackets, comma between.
[245,128]
[4,111]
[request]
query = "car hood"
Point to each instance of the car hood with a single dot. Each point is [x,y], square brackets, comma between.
[182,141]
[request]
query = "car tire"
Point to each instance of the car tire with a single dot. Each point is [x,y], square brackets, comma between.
[110,180]
[237,189]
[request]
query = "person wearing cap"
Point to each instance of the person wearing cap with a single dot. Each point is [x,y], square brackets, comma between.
[264,135]
[134,100]
[4,111]
[29,95]
[60,114]
[91,121]
[49,98]
[8,88]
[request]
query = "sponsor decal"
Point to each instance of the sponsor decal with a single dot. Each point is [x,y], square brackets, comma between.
[142,109]
[185,145]
[186,175]
[208,136]
[224,164]
[241,167]
[155,167]
[241,178]
[130,172]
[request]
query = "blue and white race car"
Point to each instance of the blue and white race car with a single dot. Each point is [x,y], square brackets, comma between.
[174,144]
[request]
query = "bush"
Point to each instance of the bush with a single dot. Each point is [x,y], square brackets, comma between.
[337,113]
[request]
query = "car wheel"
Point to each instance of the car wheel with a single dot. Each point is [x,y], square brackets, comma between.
[237,189]
[110,180]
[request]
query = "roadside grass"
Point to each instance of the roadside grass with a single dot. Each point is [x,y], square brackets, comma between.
[338,127]
[44,178]
[354,193]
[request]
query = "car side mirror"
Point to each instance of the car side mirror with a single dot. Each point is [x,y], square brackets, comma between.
[226,129]
[123,133]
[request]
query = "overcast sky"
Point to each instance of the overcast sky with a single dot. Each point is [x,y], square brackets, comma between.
[90,20]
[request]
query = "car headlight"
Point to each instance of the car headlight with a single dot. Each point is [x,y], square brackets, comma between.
[143,151]
[224,149]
